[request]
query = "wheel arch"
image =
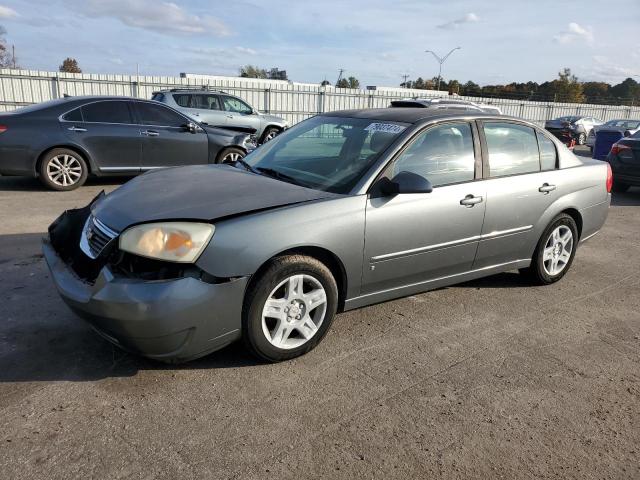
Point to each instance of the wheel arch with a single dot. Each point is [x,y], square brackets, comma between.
[577,217]
[327,257]
[80,151]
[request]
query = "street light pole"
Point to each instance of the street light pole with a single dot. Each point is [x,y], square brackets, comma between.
[441,60]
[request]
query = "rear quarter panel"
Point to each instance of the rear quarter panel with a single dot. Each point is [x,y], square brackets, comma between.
[581,188]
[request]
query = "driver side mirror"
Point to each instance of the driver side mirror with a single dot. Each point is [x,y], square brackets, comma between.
[191,127]
[404,182]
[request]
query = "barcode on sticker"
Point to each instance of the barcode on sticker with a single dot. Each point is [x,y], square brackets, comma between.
[385,127]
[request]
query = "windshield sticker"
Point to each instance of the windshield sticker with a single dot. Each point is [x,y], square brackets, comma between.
[385,127]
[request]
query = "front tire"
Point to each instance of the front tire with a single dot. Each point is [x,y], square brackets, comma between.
[555,251]
[62,169]
[269,134]
[289,308]
[230,155]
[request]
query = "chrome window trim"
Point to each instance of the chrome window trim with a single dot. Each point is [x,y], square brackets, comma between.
[152,102]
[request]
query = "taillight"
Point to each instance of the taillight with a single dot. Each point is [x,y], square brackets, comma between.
[3,128]
[609,178]
[616,148]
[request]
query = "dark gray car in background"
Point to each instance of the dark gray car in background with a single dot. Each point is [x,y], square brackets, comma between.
[343,210]
[63,141]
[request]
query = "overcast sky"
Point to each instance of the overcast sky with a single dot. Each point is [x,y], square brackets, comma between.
[376,41]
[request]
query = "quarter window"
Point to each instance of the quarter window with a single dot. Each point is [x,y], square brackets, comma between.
[236,105]
[548,154]
[443,155]
[513,149]
[182,99]
[151,114]
[73,115]
[107,112]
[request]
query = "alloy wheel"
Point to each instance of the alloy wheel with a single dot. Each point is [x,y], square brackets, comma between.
[557,250]
[270,136]
[294,311]
[231,157]
[64,170]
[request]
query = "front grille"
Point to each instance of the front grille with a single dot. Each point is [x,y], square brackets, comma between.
[95,237]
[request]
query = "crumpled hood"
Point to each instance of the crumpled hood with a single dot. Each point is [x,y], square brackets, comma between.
[204,192]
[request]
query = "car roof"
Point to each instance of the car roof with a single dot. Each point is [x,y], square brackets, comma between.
[410,115]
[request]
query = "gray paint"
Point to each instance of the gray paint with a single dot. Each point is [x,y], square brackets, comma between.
[387,247]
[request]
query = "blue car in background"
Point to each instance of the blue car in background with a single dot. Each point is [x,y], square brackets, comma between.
[610,133]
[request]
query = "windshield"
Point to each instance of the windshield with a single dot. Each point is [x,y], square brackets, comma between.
[325,153]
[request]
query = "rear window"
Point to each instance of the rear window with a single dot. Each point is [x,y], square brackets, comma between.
[112,111]
[158,97]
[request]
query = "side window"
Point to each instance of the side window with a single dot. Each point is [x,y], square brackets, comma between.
[513,149]
[151,114]
[107,112]
[443,155]
[73,115]
[182,99]
[235,105]
[205,102]
[548,154]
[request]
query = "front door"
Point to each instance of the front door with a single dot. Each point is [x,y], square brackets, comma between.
[106,130]
[414,238]
[166,142]
[239,114]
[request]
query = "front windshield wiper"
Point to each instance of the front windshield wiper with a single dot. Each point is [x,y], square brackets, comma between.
[280,176]
[245,165]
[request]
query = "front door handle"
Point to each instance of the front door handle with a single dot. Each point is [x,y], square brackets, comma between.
[76,129]
[229,116]
[546,188]
[150,133]
[469,201]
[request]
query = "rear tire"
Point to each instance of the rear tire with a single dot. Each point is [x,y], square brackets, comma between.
[618,187]
[289,308]
[62,170]
[555,251]
[230,155]
[582,139]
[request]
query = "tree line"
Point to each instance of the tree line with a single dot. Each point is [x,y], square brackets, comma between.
[566,88]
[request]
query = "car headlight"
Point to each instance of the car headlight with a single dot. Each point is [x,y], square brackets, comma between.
[181,242]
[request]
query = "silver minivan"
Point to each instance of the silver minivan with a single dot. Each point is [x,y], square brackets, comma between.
[221,109]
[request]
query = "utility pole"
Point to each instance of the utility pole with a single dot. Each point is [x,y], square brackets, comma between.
[404,80]
[441,60]
[13,54]
[340,76]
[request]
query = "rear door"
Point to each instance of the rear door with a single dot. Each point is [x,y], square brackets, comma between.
[106,130]
[522,182]
[414,238]
[166,142]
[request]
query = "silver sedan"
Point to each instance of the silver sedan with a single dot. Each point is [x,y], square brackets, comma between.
[341,211]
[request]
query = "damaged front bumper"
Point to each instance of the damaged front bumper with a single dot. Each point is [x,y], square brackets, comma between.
[171,320]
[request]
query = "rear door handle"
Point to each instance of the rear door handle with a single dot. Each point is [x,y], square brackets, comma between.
[150,133]
[546,188]
[76,129]
[470,201]
[229,116]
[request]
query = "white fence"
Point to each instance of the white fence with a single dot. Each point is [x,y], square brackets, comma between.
[293,101]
